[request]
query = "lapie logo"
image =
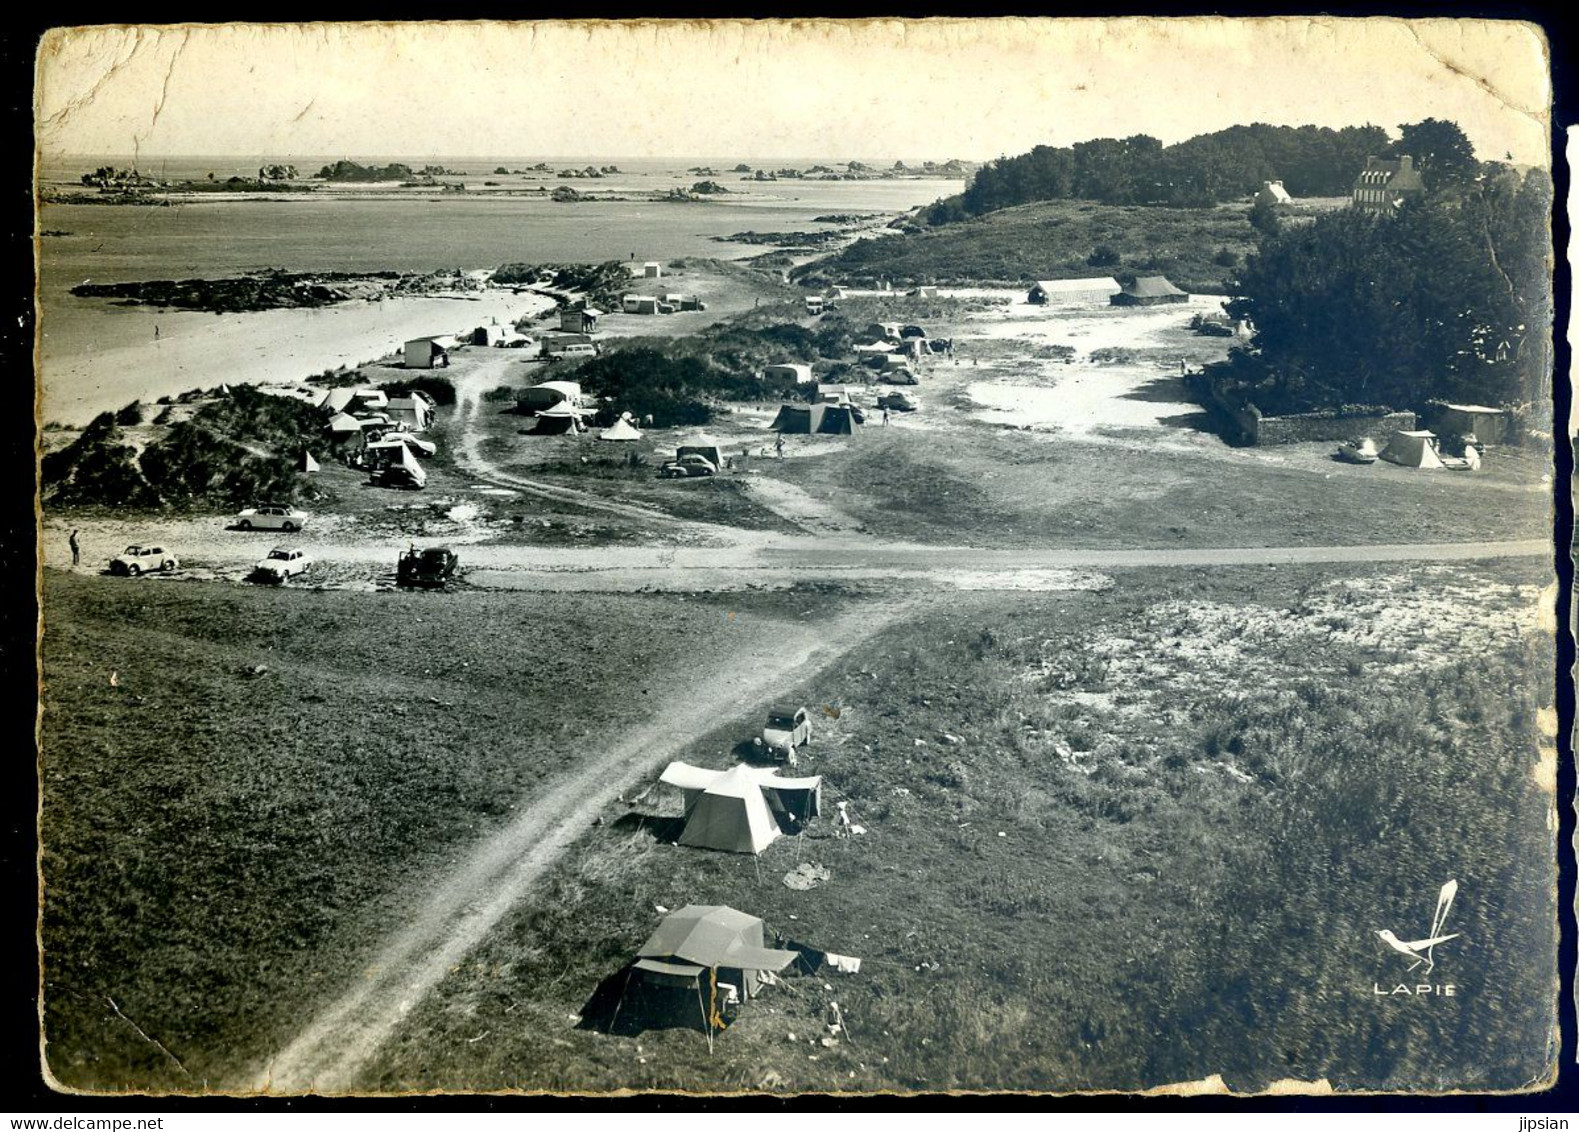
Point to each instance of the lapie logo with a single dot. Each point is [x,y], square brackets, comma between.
[1422,951]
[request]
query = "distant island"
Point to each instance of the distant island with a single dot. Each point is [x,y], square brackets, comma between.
[351,171]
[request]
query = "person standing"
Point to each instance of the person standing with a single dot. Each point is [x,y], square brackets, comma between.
[778,446]
[76,548]
[885,416]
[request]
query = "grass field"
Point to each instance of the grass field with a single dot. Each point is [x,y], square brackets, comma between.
[977,485]
[1051,240]
[219,839]
[1115,838]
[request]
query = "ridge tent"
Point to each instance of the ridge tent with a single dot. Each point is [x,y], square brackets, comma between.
[738,810]
[343,425]
[1149,291]
[832,419]
[621,429]
[337,400]
[556,419]
[308,463]
[1413,450]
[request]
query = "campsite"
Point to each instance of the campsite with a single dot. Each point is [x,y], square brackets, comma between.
[971,632]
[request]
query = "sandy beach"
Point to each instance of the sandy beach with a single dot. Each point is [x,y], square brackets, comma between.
[276,347]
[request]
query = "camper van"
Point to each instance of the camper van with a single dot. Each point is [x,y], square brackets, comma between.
[578,350]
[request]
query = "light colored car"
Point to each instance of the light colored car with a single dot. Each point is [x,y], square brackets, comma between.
[272,517]
[788,728]
[690,464]
[136,560]
[282,562]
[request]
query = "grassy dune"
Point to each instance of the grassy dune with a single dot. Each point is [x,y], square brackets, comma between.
[1051,240]
[1115,838]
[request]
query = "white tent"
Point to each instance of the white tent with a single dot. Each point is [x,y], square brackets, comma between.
[308,463]
[1273,192]
[1413,450]
[734,810]
[621,429]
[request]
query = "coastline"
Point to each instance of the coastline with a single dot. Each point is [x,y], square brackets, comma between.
[196,350]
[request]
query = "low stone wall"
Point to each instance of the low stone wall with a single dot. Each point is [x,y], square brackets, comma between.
[1303,427]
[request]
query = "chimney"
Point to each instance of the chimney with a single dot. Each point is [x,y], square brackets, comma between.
[1406,162]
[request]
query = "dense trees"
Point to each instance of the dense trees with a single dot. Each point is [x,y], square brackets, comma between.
[1449,298]
[1309,160]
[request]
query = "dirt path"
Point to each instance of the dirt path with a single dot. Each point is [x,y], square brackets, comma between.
[334,1045]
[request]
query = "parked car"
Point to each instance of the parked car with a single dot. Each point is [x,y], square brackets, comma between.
[282,562]
[898,401]
[272,517]
[688,465]
[788,728]
[427,569]
[136,560]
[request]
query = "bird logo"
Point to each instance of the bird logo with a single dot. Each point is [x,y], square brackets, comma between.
[1422,950]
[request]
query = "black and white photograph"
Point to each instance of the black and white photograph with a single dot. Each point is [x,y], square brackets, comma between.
[779,557]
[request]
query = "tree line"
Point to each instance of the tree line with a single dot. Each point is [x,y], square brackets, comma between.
[1447,297]
[1311,161]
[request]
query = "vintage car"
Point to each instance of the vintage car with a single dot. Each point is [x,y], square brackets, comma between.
[426,569]
[788,728]
[136,560]
[282,562]
[690,464]
[271,517]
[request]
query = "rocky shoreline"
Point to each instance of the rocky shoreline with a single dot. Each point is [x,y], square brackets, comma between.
[274,290]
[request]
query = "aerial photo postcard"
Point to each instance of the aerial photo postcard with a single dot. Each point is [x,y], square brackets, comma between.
[797,557]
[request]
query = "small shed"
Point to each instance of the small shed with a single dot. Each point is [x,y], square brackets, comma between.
[579,320]
[1149,291]
[788,371]
[1489,425]
[1073,292]
[652,270]
[426,353]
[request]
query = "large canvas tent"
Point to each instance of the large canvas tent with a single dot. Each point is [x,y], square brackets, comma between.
[1073,292]
[741,810]
[1149,291]
[705,949]
[1413,450]
[833,419]
[548,394]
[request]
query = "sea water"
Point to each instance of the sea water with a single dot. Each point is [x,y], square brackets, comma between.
[95,355]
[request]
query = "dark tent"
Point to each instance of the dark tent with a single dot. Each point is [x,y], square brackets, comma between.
[696,957]
[836,420]
[1149,291]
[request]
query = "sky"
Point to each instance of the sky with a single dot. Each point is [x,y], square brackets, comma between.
[912,90]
